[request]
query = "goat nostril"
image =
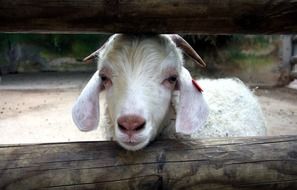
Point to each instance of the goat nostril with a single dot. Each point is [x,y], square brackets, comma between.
[122,127]
[131,123]
[138,128]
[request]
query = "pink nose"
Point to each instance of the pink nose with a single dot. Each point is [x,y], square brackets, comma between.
[130,124]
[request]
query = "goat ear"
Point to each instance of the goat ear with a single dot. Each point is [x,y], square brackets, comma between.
[192,110]
[85,112]
[90,58]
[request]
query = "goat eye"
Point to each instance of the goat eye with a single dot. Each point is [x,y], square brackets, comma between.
[172,79]
[103,78]
[106,82]
[170,82]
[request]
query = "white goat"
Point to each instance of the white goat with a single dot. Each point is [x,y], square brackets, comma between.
[144,85]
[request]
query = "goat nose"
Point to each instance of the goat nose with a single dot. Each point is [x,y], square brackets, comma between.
[131,123]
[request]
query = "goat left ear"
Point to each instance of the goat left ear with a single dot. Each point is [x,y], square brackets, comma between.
[85,112]
[192,110]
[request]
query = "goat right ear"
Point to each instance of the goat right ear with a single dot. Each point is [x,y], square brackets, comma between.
[192,110]
[85,112]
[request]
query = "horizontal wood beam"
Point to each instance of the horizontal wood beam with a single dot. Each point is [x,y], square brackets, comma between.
[227,163]
[150,16]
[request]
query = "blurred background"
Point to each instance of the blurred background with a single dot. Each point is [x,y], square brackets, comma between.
[41,75]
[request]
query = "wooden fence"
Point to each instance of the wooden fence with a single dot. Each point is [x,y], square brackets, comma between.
[227,163]
[158,16]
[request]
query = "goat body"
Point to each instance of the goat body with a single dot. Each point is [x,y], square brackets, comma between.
[233,111]
[144,89]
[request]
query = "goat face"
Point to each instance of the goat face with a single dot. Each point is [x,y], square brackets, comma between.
[138,75]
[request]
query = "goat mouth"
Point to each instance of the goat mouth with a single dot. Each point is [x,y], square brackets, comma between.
[132,141]
[133,146]
[129,143]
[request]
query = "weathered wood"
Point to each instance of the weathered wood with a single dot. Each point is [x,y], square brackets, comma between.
[234,163]
[293,59]
[158,16]
[285,67]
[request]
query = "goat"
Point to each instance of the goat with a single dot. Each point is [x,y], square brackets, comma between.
[143,85]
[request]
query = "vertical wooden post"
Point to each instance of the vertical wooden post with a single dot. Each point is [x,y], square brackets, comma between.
[286,54]
[294,58]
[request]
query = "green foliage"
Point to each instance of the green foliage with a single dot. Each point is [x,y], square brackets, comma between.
[254,42]
[61,44]
[251,49]
[208,44]
[239,58]
[24,51]
[230,50]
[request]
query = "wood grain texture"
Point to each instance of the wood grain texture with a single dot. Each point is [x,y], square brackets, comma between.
[150,16]
[233,163]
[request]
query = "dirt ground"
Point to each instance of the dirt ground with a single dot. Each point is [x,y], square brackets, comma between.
[36,108]
[280,109]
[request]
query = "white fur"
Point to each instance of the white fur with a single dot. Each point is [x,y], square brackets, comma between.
[138,68]
[88,119]
[233,110]
[191,116]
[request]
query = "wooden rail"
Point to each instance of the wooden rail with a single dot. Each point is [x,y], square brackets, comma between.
[231,163]
[227,163]
[157,16]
